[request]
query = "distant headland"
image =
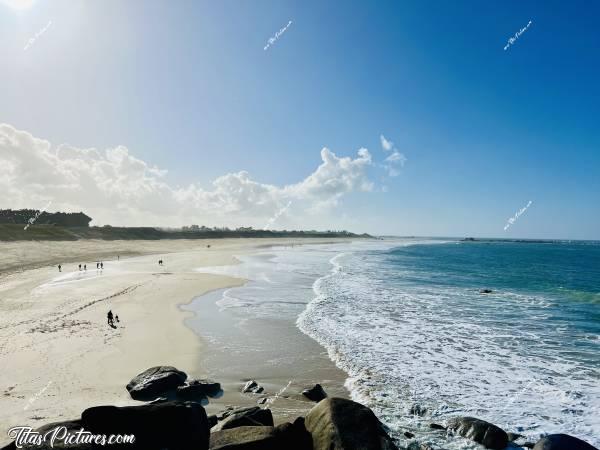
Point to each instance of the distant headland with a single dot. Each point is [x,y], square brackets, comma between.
[60,226]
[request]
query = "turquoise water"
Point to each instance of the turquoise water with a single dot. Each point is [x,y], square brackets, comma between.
[412,329]
[406,320]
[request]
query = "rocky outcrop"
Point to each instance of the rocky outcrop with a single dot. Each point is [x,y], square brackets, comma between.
[169,425]
[315,393]
[212,421]
[337,424]
[159,426]
[251,416]
[155,381]
[294,435]
[245,438]
[480,431]
[562,442]
[252,387]
[286,436]
[196,389]
[513,436]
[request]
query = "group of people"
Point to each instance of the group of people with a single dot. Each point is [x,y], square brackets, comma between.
[160,262]
[99,265]
[112,319]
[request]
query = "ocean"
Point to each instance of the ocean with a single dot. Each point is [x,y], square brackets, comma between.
[406,320]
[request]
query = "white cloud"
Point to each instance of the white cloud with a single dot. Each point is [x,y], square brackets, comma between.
[113,186]
[277,215]
[390,163]
[396,157]
[387,145]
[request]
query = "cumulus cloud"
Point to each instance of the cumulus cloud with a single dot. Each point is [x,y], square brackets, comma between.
[276,216]
[396,158]
[113,186]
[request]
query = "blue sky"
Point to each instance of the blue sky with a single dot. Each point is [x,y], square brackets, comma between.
[187,86]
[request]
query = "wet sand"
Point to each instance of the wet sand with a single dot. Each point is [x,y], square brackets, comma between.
[273,352]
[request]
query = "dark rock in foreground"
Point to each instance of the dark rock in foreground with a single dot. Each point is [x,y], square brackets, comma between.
[294,435]
[513,436]
[315,393]
[195,389]
[286,436]
[338,424]
[480,431]
[155,381]
[250,416]
[160,426]
[212,421]
[169,425]
[562,442]
[245,438]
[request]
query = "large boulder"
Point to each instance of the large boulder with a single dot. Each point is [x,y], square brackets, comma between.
[294,436]
[155,381]
[212,420]
[252,416]
[195,389]
[562,442]
[338,424]
[252,387]
[169,425]
[480,431]
[245,438]
[315,393]
[286,436]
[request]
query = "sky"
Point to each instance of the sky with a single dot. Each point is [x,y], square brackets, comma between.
[393,118]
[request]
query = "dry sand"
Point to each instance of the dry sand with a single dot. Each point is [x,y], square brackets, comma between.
[58,356]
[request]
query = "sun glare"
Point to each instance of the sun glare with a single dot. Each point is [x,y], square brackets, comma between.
[18,4]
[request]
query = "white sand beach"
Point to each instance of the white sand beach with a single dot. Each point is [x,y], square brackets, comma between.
[59,356]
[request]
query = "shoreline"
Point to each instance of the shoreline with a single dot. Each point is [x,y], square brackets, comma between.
[283,371]
[55,334]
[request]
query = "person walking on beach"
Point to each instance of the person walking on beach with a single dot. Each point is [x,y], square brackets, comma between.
[102,265]
[59,268]
[110,318]
[117,318]
[97,265]
[85,267]
[79,266]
